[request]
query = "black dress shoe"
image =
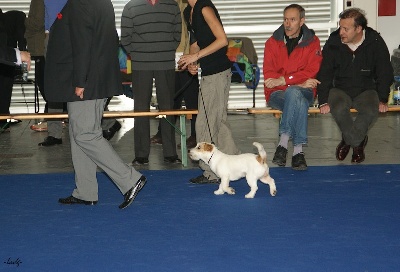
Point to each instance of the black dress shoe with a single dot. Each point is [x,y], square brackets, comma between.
[299,162]
[358,152]
[15,121]
[109,133]
[342,150]
[172,159]
[140,161]
[73,200]
[156,139]
[50,140]
[203,180]
[132,193]
[280,156]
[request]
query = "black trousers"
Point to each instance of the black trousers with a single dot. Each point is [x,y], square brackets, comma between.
[7,74]
[186,88]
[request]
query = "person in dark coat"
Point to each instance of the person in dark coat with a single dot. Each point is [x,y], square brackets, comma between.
[12,56]
[82,69]
[355,73]
[12,28]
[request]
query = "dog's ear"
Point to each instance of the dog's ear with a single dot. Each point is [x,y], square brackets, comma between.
[208,147]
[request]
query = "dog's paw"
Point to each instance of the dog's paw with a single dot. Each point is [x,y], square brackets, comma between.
[273,192]
[230,191]
[249,195]
[219,192]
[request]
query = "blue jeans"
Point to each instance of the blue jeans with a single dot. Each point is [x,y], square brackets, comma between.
[294,103]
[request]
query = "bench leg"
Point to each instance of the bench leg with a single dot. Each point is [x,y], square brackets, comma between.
[182,122]
[182,133]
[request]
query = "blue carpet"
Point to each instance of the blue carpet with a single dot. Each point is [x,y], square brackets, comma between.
[341,218]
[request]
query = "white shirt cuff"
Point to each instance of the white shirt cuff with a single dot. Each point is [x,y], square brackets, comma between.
[18,54]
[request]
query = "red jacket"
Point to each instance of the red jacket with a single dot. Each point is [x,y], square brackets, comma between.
[302,64]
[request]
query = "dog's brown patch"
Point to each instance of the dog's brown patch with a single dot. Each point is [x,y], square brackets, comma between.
[260,159]
[208,147]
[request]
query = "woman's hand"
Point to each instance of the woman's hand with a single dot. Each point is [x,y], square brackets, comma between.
[186,60]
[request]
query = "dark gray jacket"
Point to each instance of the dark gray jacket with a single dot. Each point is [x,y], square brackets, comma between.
[83,52]
[366,68]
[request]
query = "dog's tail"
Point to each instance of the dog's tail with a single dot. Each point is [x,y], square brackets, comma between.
[262,155]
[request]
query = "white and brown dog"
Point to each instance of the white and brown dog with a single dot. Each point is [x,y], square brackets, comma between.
[233,167]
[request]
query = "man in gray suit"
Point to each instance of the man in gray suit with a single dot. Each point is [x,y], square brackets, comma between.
[82,69]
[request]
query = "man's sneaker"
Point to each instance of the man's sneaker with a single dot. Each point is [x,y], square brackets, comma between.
[140,161]
[280,156]
[203,180]
[299,162]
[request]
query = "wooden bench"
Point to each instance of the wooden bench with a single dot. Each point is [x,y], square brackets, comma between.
[268,110]
[182,113]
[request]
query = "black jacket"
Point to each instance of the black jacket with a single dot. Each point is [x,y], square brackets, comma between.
[83,52]
[366,68]
[7,55]
[15,27]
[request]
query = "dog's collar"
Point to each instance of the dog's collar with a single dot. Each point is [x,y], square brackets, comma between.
[210,158]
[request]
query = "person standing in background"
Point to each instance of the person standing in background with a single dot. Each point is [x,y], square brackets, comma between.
[150,34]
[51,10]
[13,56]
[35,38]
[186,86]
[12,29]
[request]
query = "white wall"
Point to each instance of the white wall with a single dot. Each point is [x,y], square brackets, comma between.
[388,27]
[369,6]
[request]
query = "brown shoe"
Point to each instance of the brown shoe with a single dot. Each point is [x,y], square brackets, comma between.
[41,126]
[342,150]
[358,152]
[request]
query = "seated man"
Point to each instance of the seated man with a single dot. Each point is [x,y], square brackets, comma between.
[292,57]
[355,73]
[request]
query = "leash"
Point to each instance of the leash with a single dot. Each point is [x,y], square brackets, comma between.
[205,112]
[181,90]
[210,158]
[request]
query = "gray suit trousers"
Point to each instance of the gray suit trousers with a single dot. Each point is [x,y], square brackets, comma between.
[89,149]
